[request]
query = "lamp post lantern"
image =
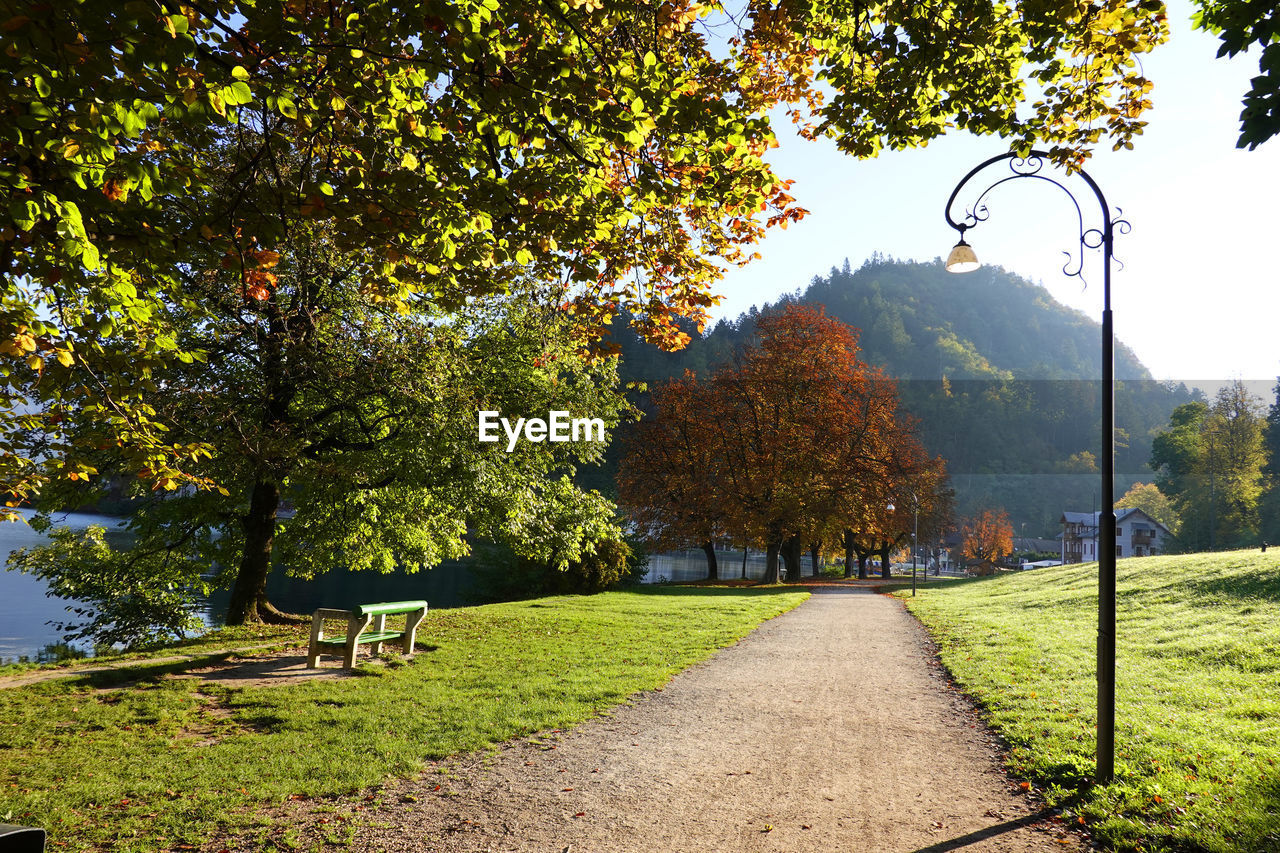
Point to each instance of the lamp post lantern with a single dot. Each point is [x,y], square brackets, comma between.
[963,259]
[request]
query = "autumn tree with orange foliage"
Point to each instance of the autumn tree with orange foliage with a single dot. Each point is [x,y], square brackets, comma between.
[914,484]
[786,446]
[664,477]
[988,537]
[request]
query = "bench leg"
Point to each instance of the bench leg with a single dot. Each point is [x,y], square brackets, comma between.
[379,625]
[355,626]
[313,648]
[411,623]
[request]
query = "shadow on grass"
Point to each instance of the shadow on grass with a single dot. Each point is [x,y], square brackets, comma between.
[1260,829]
[1255,585]
[120,676]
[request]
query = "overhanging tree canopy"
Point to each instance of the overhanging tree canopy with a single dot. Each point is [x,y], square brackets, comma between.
[609,147]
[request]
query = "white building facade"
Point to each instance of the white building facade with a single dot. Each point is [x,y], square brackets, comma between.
[1137,535]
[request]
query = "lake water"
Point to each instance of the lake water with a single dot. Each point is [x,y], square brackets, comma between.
[26,609]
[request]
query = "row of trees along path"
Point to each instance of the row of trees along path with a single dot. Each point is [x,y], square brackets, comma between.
[795,442]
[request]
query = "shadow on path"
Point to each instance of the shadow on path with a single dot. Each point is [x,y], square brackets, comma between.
[986,833]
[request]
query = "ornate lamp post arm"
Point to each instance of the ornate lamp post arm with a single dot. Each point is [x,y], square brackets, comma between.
[963,259]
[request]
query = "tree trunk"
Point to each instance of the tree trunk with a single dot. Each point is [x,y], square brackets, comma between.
[791,554]
[884,563]
[863,556]
[813,558]
[249,592]
[713,570]
[848,553]
[770,563]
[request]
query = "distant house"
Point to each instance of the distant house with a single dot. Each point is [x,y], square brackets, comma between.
[1137,535]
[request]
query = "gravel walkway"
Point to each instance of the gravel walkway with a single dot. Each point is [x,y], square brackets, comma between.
[830,728]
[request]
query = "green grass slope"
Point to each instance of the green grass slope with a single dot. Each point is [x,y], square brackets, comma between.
[1198,692]
[160,763]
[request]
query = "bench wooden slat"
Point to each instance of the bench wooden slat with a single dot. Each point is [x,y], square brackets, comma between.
[363,639]
[388,608]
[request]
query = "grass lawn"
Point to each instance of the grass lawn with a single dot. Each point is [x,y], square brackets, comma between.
[161,763]
[1197,695]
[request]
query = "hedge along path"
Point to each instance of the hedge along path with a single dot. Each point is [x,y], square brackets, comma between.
[830,728]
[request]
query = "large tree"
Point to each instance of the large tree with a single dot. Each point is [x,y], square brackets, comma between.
[614,148]
[1269,502]
[1209,463]
[365,428]
[666,478]
[907,495]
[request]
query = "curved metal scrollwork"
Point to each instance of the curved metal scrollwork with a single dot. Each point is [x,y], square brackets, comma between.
[1033,166]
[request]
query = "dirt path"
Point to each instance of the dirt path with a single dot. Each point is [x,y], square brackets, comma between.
[828,729]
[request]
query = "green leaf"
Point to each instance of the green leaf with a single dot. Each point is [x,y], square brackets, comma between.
[89,257]
[237,93]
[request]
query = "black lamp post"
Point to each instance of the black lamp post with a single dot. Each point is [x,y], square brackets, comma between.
[915,535]
[963,259]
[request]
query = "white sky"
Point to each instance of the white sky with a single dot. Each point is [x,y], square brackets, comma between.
[1197,299]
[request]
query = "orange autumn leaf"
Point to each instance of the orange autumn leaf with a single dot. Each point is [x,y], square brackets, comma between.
[114,190]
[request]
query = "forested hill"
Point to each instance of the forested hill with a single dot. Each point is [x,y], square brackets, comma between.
[1003,379]
[920,322]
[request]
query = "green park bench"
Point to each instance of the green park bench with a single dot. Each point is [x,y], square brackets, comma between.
[366,625]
